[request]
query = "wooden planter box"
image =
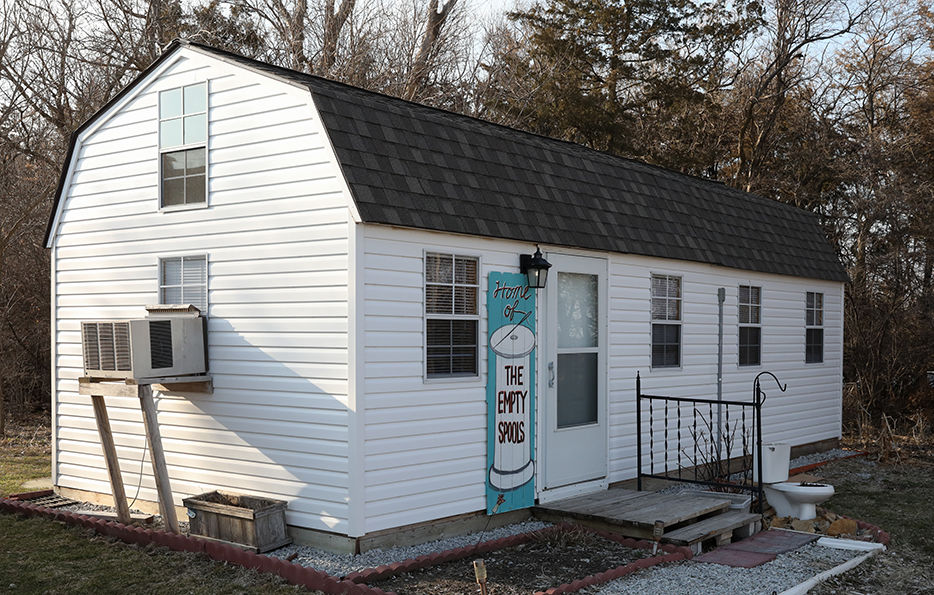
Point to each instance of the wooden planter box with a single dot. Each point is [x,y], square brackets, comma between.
[251,522]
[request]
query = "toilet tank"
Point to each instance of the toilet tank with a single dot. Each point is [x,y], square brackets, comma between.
[775,459]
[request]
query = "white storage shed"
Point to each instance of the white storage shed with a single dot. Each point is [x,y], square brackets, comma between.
[346,246]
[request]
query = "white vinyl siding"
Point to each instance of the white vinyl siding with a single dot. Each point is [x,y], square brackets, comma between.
[425,444]
[276,238]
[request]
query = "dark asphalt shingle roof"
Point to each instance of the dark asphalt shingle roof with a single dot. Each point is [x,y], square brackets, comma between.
[415,166]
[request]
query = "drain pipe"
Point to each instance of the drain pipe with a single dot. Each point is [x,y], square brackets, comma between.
[721,297]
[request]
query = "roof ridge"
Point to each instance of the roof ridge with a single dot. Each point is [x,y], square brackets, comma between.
[440,111]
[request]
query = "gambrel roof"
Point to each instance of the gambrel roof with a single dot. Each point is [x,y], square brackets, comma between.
[415,166]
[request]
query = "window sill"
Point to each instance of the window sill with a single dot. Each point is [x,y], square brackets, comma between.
[462,380]
[190,207]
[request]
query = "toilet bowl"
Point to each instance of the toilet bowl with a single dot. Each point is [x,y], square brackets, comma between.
[789,499]
[797,500]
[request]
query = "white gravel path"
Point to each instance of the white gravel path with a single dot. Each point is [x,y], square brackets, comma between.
[344,564]
[691,578]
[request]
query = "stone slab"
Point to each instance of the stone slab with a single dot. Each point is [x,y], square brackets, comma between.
[773,541]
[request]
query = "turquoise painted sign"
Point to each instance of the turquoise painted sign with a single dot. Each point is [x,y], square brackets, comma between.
[510,393]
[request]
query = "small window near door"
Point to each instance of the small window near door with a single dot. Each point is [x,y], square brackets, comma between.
[184,280]
[452,293]
[814,328]
[666,321]
[750,325]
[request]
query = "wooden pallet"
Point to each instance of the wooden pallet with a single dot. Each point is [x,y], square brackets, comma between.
[720,527]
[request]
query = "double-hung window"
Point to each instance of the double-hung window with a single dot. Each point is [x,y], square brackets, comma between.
[183,131]
[452,320]
[666,321]
[750,325]
[184,280]
[814,328]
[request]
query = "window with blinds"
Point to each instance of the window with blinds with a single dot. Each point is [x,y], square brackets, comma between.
[452,320]
[750,325]
[666,321]
[814,328]
[184,280]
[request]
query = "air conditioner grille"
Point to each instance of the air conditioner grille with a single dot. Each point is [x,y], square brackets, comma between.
[122,346]
[160,343]
[92,355]
[106,346]
[105,334]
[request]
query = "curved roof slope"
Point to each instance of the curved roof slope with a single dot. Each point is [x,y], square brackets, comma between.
[415,166]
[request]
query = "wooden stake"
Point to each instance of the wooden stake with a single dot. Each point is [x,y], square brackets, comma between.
[157,455]
[110,457]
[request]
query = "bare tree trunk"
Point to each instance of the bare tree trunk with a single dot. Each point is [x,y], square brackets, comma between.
[333,24]
[297,35]
[434,21]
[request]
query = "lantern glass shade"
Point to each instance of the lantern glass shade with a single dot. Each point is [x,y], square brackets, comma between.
[536,269]
[537,278]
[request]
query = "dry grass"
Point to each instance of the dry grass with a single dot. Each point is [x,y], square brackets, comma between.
[25,453]
[891,488]
[41,556]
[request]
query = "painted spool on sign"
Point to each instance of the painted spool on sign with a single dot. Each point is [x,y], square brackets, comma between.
[510,393]
[512,453]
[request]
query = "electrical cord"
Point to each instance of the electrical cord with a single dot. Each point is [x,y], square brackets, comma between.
[143,459]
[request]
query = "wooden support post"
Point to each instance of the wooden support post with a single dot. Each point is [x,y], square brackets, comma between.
[157,455]
[110,456]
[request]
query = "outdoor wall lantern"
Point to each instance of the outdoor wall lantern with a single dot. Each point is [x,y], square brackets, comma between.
[535,267]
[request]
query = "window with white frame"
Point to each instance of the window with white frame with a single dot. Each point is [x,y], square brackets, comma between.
[184,280]
[183,131]
[666,321]
[750,325]
[814,328]
[452,320]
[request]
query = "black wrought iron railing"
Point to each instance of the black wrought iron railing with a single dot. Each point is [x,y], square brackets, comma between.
[709,442]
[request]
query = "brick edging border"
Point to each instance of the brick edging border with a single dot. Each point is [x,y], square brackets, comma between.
[295,574]
[673,554]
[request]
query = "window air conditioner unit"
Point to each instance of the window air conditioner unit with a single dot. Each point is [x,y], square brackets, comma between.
[169,342]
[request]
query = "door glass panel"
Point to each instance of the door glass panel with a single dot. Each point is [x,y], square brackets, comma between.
[577,310]
[577,389]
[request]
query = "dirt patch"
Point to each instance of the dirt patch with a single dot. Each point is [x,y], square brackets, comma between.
[547,561]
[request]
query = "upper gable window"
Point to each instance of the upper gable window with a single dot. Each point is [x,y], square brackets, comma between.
[183,131]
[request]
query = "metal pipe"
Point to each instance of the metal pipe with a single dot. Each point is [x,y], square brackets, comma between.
[721,297]
[638,432]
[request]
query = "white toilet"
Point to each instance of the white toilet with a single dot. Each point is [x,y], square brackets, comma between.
[789,499]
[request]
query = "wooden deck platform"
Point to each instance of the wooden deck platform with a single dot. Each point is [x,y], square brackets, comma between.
[634,514]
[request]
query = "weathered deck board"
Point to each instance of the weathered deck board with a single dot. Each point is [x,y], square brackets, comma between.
[629,507]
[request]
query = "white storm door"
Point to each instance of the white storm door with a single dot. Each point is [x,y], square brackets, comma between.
[575,411]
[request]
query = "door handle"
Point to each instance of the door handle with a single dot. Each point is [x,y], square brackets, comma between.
[551,374]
